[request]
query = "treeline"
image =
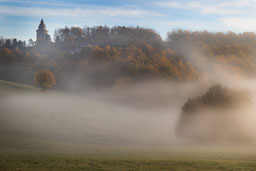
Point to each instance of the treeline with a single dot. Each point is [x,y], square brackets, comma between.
[237,51]
[103,36]
[12,43]
[103,56]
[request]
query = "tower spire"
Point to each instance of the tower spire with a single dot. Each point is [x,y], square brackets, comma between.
[42,21]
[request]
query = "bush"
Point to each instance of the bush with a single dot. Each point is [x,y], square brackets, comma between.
[214,115]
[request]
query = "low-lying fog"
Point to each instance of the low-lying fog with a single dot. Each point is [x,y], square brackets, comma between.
[144,113]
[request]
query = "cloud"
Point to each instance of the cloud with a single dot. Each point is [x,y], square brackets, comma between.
[216,15]
[238,23]
[75,12]
[233,7]
[170,4]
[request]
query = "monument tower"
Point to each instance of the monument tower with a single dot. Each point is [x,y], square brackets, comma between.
[42,37]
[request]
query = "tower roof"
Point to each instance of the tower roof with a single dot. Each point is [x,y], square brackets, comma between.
[42,26]
[42,21]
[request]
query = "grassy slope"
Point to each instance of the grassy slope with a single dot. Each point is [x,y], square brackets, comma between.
[7,87]
[18,154]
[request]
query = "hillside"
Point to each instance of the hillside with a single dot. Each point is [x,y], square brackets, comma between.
[106,57]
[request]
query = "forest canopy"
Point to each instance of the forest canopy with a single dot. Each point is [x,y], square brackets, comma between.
[104,56]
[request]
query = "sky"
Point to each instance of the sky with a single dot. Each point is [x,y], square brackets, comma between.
[20,18]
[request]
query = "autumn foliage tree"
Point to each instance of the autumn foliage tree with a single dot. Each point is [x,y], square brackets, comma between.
[44,79]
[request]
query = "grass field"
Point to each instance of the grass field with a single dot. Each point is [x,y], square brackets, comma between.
[124,160]
[25,146]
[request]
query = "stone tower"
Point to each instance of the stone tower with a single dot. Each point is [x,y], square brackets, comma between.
[42,37]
